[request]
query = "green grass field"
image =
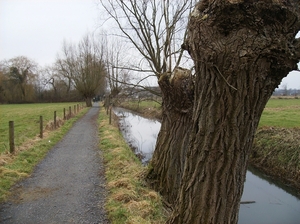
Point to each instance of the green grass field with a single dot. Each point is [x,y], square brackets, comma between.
[26,120]
[283,113]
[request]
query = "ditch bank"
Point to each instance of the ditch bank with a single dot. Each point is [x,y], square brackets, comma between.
[275,152]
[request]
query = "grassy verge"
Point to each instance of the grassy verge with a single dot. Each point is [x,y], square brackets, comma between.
[148,108]
[129,199]
[276,151]
[276,148]
[14,167]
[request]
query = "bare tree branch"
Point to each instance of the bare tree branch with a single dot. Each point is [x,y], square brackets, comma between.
[84,65]
[151,27]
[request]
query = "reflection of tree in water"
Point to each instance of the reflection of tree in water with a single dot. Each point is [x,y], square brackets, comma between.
[131,140]
[137,141]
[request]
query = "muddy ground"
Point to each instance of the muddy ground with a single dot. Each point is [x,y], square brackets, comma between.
[68,186]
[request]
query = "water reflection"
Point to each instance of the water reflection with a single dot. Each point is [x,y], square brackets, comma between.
[140,133]
[277,183]
[274,203]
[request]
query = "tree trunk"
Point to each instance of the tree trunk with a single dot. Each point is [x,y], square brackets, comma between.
[167,162]
[88,101]
[242,50]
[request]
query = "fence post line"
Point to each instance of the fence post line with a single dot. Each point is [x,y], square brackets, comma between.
[41,126]
[54,119]
[64,113]
[70,112]
[11,137]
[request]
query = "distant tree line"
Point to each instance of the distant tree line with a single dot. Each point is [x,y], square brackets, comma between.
[285,91]
[78,74]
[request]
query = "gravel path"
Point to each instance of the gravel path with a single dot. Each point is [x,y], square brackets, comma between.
[68,186]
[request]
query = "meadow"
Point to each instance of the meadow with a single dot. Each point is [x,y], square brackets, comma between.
[279,112]
[284,113]
[26,119]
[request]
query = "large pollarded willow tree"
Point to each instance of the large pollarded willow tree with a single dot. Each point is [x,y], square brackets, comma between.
[83,65]
[241,49]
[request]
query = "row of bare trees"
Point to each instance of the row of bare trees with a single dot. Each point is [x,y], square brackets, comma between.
[78,73]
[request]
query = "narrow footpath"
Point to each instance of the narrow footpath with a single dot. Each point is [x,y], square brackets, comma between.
[68,186]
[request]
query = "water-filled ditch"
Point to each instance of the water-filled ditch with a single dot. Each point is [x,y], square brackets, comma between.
[274,202]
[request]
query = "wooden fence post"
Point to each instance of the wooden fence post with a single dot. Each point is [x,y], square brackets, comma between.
[64,113]
[106,103]
[74,109]
[109,115]
[70,112]
[54,119]
[41,126]
[11,137]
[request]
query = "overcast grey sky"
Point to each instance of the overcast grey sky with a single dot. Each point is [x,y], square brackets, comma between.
[36,29]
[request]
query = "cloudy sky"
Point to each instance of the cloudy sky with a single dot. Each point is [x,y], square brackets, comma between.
[36,29]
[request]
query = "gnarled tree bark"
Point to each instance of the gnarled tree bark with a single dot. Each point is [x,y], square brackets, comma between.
[166,166]
[242,49]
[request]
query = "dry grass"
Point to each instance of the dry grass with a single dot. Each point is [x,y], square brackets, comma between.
[276,151]
[50,125]
[129,200]
[5,171]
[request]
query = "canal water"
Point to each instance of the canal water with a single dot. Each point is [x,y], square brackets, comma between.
[274,203]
